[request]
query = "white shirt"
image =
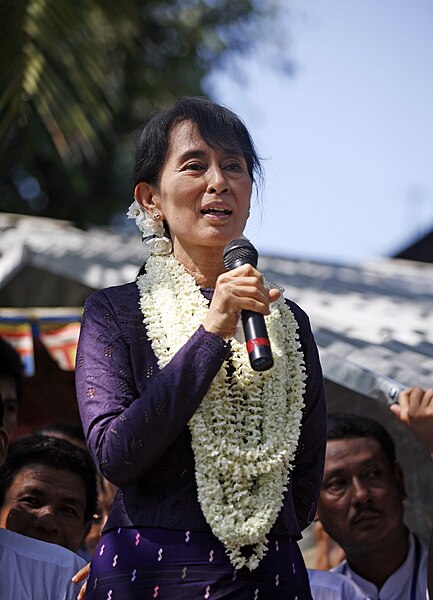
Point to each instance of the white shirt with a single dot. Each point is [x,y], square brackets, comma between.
[32,570]
[333,586]
[398,585]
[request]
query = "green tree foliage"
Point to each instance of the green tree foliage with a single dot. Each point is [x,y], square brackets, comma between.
[78,77]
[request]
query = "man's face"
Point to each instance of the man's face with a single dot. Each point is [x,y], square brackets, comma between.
[8,391]
[361,499]
[47,504]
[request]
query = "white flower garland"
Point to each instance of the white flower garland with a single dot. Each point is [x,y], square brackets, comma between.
[246,430]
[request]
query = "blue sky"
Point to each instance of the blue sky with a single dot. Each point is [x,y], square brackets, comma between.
[348,140]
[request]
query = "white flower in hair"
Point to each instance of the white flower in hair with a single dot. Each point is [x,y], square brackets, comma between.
[152,232]
[134,210]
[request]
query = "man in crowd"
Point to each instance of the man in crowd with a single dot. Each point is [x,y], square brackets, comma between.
[48,490]
[11,384]
[30,568]
[361,508]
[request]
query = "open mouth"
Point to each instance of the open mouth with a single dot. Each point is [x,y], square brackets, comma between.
[216,211]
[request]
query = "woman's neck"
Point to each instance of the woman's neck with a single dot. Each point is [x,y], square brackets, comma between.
[205,265]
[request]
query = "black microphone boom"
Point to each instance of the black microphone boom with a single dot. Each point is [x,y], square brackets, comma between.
[241,252]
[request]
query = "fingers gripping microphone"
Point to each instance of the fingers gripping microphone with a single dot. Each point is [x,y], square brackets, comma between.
[241,252]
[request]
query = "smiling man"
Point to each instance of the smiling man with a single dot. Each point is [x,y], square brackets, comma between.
[361,507]
[30,568]
[48,490]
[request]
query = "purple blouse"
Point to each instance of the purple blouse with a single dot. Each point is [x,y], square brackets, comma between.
[135,416]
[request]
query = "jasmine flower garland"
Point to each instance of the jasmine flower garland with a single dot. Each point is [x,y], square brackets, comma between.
[246,430]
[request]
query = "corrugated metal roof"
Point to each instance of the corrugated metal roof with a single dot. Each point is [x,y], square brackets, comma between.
[378,316]
[95,257]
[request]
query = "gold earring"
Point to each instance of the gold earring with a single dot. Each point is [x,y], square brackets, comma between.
[156,215]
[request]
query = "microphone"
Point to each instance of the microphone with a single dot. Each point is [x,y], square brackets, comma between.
[241,252]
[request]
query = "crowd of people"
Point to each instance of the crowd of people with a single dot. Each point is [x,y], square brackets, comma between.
[194,473]
[53,504]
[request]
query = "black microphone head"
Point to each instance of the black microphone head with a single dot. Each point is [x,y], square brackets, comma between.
[240,252]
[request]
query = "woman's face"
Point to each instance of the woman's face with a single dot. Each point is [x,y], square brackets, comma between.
[203,194]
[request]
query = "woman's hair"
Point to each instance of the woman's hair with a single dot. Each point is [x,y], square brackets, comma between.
[218,126]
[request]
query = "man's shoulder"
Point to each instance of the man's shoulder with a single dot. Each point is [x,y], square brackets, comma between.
[32,550]
[329,585]
[34,569]
[414,568]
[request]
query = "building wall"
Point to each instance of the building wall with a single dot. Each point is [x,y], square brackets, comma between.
[36,287]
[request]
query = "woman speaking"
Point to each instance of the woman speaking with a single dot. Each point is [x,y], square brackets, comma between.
[218,465]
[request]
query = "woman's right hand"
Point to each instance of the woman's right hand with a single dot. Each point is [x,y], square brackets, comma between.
[239,289]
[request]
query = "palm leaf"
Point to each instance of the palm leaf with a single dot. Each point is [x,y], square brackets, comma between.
[55,60]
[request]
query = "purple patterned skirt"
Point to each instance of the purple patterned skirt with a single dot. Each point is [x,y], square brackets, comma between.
[148,563]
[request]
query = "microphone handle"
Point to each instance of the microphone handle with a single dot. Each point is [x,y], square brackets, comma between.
[256,336]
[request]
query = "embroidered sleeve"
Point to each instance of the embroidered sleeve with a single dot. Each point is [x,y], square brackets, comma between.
[308,471]
[131,412]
